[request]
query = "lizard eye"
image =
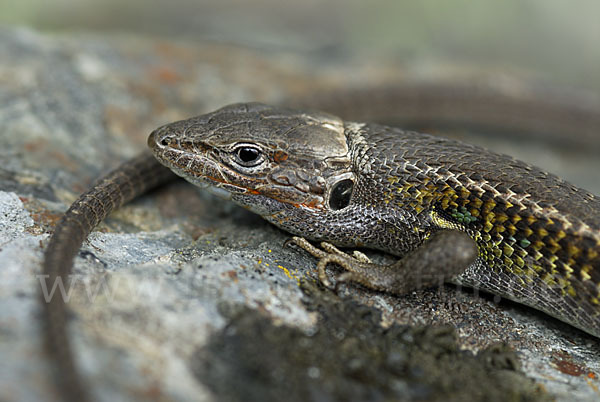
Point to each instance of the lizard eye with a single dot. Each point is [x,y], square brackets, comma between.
[248,155]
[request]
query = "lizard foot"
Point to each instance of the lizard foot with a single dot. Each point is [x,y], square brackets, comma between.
[357,265]
[439,259]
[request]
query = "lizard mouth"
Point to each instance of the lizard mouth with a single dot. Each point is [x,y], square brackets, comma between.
[193,163]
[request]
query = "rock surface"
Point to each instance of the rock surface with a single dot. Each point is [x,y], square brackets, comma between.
[180,296]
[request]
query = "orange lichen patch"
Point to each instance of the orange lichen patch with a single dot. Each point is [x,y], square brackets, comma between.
[565,365]
[66,162]
[569,368]
[165,75]
[232,274]
[42,218]
[33,146]
[45,218]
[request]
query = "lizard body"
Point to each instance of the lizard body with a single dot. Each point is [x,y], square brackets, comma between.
[368,185]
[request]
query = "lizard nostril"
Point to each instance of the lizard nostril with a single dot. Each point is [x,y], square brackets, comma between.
[158,140]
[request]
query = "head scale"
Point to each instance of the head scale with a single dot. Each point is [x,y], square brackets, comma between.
[267,159]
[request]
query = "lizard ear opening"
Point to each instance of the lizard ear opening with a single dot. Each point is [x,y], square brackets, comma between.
[341,192]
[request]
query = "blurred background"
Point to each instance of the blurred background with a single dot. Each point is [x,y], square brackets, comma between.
[552,39]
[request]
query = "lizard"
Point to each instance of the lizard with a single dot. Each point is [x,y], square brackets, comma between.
[318,162]
[406,193]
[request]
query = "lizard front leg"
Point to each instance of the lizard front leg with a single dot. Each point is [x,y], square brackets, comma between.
[443,256]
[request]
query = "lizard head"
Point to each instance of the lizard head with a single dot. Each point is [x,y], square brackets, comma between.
[268,159]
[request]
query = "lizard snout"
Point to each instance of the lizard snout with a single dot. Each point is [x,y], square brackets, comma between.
[159,139]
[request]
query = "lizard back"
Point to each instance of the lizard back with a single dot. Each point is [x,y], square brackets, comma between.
[538,235]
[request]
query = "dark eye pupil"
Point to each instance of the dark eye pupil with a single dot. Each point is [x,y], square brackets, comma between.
[248,154]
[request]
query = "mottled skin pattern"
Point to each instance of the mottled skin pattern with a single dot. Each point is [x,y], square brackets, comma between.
[538,236]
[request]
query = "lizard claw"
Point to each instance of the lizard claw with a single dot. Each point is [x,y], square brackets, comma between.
[329,254]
